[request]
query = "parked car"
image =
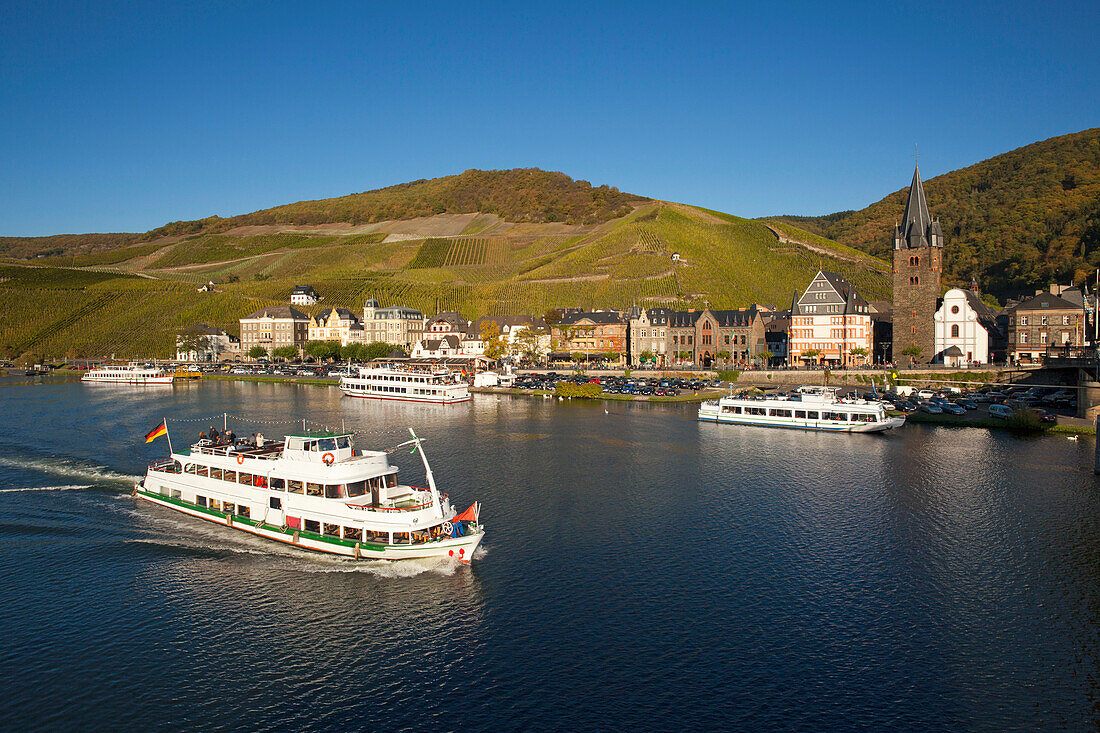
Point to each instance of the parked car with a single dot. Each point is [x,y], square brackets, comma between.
[1001,412]
[1045,416]
[931,408]
[952,409]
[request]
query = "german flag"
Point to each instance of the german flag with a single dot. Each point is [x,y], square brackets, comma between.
[156,432]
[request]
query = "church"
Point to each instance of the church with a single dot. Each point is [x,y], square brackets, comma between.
[918,264]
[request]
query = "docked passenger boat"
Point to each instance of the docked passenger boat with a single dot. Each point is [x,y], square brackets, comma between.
[408,384]
[128,374]
[810,408]
[316,491]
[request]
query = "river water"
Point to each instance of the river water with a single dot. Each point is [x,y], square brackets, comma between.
[640,570]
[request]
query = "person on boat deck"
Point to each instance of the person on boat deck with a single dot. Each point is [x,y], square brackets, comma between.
[202,435]
[214,435]
[229,437]
[259,440]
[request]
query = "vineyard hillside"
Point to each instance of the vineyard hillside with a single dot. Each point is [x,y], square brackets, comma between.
[131,301]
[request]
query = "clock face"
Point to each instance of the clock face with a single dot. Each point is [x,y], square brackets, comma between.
[955,309]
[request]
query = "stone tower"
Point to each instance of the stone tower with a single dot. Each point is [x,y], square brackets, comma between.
[918,263]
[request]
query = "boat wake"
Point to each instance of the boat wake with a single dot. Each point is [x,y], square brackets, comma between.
[69,487]
[66,468]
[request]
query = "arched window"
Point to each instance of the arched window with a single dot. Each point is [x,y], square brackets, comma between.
[914,261]
[954,330]
[914,280]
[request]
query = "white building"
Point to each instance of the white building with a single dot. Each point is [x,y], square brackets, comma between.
[964,329]
[304,295]
[206,343]
[521,335]
[830,320]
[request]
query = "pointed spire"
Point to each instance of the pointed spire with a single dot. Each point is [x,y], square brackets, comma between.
[917,219]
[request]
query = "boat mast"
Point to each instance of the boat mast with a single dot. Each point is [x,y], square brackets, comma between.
[427,472]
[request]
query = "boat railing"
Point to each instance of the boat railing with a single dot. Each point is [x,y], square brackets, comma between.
[410,508]
[165,465]
[270,451]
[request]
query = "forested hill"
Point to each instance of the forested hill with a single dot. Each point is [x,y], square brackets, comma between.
[517,195]
[1016,221]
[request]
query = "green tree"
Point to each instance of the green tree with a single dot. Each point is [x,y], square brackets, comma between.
[490,335]
[723,356]
[764,355]
[352,352]
[286,352]
[811,354]
[257,352]
[527,342]
[912,351]
[377,350]
[551,316]
[647,355]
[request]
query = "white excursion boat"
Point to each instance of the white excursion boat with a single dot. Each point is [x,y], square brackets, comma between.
[811,408]
[128,374]
[392,382]
[316,491]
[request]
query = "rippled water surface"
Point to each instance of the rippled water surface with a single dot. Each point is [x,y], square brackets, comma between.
[640,570]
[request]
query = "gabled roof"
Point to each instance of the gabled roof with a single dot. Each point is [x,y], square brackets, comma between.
[510,322]
[277,311]
[739,317]
[307,289]
[450,342]
[844,291]
[1046,302]
[684,319]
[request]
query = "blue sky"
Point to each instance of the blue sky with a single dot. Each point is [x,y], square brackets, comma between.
[123,116]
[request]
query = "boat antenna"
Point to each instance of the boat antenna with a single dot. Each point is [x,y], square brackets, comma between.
[225,421]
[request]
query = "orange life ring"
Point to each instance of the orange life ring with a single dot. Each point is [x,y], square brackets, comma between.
[329,459]
[240,459]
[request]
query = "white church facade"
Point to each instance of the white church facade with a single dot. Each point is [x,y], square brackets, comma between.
[964,329]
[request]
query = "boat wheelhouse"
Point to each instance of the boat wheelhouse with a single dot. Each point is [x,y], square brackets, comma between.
[128,374]
[408,384]
[316,491]
[810,408]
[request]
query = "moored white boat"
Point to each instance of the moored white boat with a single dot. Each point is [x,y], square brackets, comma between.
[406,384]
[128,374]
[811,408]
[316,491]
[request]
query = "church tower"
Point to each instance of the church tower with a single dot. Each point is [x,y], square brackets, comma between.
[918,263]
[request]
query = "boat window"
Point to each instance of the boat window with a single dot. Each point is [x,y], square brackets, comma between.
[756,411]
[215,504]
[230,475]
[190,468]
[351,533]
[400,538]
[228,508]
[202,471]
[357,488]
[275,502]
[215,473]
[313,489]
[391,479]
[259,481]
[244,510]
[373,536]
[244,478]
[278,484]
[294,487]
[332,530]
[312,525]
[811,415]
[176,494]
[343,442]
[800,414]
[326,444]
[334,491]
[420,537]
[200,500]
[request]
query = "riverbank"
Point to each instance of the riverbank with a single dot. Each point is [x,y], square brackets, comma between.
[1064,426]
[702,396]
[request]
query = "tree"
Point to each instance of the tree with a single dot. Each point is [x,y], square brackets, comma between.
[352,352]
[811,354]
[723,356]
[551,316]
[859,353]
[257,352]
[286,352]
[490,334]
[192,340]
[577,356]
[647,355]
[527,342]
[764,355]
[912,351]
[376,350]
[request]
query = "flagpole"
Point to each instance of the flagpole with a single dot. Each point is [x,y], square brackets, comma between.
[168,435]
